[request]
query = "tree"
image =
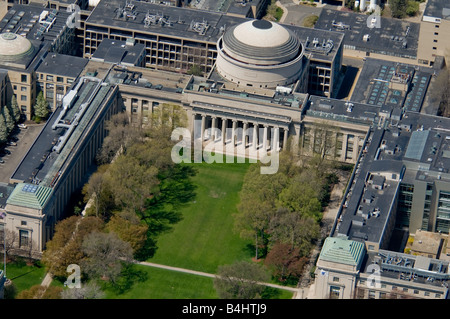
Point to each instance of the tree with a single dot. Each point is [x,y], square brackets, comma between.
[129,229]
[97,190]
[40,292]
[241,280]
[15,109]
[105,253]
[120,135]
[41,109]
[131,182]
[3,129]
[291,228]
[285,261]
[9,120]
[8,241]
[195,70]
[412,8]
[87,291]
[258,204]
[65,247]
[398,8]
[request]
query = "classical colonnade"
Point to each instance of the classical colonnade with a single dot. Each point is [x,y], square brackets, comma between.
[245,133]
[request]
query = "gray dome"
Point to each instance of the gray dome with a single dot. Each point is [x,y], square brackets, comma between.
[13,46]
[261,42]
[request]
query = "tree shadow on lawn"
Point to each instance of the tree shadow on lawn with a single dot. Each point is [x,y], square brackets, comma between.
[129,276]
[164,210]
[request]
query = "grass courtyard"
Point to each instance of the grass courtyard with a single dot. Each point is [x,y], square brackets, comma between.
[205,239]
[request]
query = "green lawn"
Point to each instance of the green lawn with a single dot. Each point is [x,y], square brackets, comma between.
[23,276]
[167,284]
[204,239]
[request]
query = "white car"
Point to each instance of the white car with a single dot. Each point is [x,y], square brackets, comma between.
[22,126]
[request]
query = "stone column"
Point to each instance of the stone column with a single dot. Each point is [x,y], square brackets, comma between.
[213,129]
[255,136]
[245,134]
[276,140]
[233,134]
[224,129]
[285,137]
[265,137]
[202,132]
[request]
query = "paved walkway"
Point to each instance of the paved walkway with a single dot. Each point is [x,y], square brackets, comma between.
[205,274]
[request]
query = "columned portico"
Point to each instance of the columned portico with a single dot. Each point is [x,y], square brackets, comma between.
[241,134]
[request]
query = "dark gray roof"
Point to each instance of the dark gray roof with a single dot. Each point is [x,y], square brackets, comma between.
[24,20]
[114,51]
[438,9]
[373,85]
[63,65]
[388,39]
[42,163]
[185,23]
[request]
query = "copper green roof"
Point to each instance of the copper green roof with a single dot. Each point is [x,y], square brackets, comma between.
[343,251]
[29,195]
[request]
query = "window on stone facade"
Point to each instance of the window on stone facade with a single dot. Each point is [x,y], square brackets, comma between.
[334,292]
[23,238]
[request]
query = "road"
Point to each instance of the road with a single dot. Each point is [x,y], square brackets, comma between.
[25,138]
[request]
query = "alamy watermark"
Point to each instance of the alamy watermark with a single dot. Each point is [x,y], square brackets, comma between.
[74,279]
[373,281]
[191,148]
[74,20]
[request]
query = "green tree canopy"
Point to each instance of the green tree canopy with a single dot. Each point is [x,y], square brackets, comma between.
[15,108]
[241,280]
[41,109]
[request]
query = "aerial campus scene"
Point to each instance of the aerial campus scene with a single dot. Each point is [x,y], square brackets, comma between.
[229,149]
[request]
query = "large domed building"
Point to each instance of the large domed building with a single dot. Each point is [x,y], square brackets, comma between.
[14,48]
[259,53]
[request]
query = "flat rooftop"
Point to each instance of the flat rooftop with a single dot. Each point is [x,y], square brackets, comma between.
[34,22]
[437,9]
[63,65]
[394,37]
[341,110]
[376,85]
[63,131]
[238,7]
[120,52]
[147,20]
[410,268]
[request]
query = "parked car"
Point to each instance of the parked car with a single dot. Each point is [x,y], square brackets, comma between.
[21,125]
[11,143]
[1,160]
[5,152]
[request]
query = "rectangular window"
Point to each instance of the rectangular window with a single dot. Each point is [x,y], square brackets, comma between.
[336,279]
[24,78]
[334,292]
[23,97]
[23,223]
[23,88]
[59,79]
[23,238]
[49,77]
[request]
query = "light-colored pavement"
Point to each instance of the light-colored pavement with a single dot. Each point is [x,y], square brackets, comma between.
[295,13]
[25,138]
